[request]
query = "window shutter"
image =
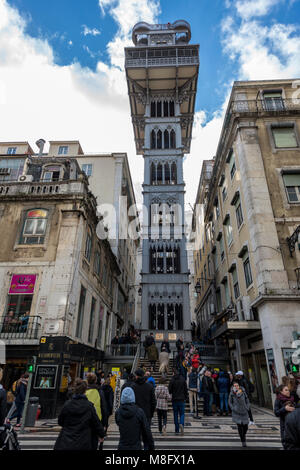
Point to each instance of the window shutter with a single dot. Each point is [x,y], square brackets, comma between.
[292,179]
[284,137]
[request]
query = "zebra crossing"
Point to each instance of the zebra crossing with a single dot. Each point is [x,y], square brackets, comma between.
[208,433]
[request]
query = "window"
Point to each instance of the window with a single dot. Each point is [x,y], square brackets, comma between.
[219,300]
[161,108]
[80,312]
[11,168]
[233,170]
[92,320]
[228,229]
[224,193]
[292,186]
[87,168]
[63,150]
[226,289]
[239,213]
[217,209]
[52,173]
[11,150]
[235,283]
[273,101]
[247,270]
[222,248]
[97,263]
[231,160]
[284,137]
[88,245]
[34,228]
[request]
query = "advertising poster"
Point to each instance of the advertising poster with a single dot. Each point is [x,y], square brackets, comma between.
[272,369]
[22,284]
[45,377]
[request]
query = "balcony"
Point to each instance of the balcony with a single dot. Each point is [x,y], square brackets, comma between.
[17,331]
[227,324]
[278,106]
[172,56]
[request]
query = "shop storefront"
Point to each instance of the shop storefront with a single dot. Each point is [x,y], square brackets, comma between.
[60,360]
[256,368]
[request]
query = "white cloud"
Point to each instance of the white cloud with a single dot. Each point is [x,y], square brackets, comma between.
[90,31]
[250,8]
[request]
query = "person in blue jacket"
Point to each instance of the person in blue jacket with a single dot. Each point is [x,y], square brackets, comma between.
[223,385]
[150,379]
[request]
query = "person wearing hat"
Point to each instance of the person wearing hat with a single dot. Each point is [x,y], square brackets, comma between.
[133,424]
[144,394]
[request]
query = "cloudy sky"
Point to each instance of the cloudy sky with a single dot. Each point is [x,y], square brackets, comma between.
[62,74]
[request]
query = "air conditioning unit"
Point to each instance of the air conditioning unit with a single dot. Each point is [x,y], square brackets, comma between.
[25,179]
[5,171]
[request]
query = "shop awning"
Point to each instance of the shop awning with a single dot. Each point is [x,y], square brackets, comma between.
[236,329]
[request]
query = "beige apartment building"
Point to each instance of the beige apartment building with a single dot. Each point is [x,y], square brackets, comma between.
[247,258]
[110,181]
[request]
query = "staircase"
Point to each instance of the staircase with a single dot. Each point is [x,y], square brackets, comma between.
[156,375]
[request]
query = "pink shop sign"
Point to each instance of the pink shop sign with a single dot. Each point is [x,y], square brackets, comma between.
[22,284]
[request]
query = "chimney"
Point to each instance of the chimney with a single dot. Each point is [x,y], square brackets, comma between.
[40,143]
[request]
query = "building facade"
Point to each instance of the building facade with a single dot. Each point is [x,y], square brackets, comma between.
[57,278]
[250,233]
[162,73]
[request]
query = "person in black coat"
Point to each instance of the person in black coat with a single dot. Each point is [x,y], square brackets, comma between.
[144,394]
[292,430]
[21,391]
[284,404]
[179,392]
[133,424]
[129,382]
[165,344]
[3,402]
[108,392]
[79,421]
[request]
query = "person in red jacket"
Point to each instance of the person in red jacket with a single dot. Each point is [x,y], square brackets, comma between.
[196,360]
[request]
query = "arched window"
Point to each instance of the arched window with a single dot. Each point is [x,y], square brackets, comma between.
[159,140]
[153,110]
[166,109]
[88,245]
[159,174]
[178,317]
[158,109]
[172,139]
[153,139]
[152,317]
[167,173]
[166,139]
[34,227]
[161,316]
[174,173]
[153,174]
[171,105]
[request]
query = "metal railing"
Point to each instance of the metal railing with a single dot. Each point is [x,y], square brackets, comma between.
[41,188]
[136,359]
[20,329]
[121,349]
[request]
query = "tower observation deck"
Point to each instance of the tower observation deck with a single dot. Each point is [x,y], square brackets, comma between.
[162,73]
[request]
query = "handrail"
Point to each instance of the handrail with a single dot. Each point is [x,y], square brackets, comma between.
[136,358]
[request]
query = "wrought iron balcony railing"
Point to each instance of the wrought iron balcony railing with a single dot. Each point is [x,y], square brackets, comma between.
[20,328]
[162,57]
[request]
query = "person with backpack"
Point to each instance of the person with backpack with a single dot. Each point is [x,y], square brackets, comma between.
[95,396]
[149,340]
[162,396]
[108,393]
[133,424]
[79,421]
[19,402]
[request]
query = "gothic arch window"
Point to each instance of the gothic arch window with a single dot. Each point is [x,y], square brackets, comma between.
[166,139]
[172,109]
[167,173]
[159,174]
[158,109]
[153,139]
[178,317]
[174,173]
[159,139]
[166,108]
[172,139]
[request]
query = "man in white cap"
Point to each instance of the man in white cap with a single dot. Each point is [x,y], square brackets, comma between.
[242,380]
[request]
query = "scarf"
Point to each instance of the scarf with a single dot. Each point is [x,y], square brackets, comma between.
[284,398]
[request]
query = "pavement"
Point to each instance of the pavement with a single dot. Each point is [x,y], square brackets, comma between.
[215,432]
